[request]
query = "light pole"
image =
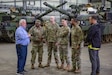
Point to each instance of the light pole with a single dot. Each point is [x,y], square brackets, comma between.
[103,3]
[15,3]
[76,2]
[62,7]
[40,6]
[24,4]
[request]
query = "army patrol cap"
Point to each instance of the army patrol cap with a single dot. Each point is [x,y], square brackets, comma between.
[38,21]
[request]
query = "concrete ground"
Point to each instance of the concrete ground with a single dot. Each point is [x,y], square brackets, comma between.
[8,61]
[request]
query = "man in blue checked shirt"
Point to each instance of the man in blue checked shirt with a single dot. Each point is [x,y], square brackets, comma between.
[22,40]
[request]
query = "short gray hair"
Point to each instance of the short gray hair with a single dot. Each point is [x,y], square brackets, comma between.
[21,21]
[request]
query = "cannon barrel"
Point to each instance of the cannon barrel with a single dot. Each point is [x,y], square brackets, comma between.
[109,0]
[59,10]
[50,10]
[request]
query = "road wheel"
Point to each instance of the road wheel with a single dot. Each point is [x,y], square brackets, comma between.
[11,36]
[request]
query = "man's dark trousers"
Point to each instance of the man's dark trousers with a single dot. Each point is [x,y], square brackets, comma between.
[21,55]
[95,62]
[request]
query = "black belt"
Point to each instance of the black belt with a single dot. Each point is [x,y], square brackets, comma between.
[19,45]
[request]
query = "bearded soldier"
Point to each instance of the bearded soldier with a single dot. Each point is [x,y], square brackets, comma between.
[76,40]
[37,35]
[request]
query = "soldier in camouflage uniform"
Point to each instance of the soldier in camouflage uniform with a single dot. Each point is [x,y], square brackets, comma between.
[63,40]
[51,38]
[76,39]
[37,35]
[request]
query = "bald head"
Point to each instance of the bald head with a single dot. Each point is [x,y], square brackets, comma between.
[52,19]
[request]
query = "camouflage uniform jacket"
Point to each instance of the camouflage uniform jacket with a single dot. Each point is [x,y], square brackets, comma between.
[63,34]
[76,35]
[51,32]
[37,35]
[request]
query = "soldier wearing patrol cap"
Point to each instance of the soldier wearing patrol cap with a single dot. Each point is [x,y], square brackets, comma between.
[76,40]
[37,36]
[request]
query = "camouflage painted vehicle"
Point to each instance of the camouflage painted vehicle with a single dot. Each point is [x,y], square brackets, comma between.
[9,21]
[7,27]
[106,23]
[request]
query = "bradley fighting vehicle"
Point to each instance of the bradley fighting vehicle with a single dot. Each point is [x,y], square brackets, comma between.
[9,21]
[105,20]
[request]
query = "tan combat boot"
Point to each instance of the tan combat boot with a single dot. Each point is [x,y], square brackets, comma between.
[67,68]
[47,65]
[40,65]
[62,66]
[77,71]
[32,66]
[58,66]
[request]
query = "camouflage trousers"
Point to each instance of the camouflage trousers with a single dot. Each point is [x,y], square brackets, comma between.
[37,49]
[52,47]
[63,49]
[76,61]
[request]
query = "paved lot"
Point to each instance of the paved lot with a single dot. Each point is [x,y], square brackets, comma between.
[8,60]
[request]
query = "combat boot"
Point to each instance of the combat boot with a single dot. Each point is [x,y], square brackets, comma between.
[67,68]
[62,66]
[72,70]
[47,65]
[98,73]
[58,66]
[32,66]
[40,65]
[77,71]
